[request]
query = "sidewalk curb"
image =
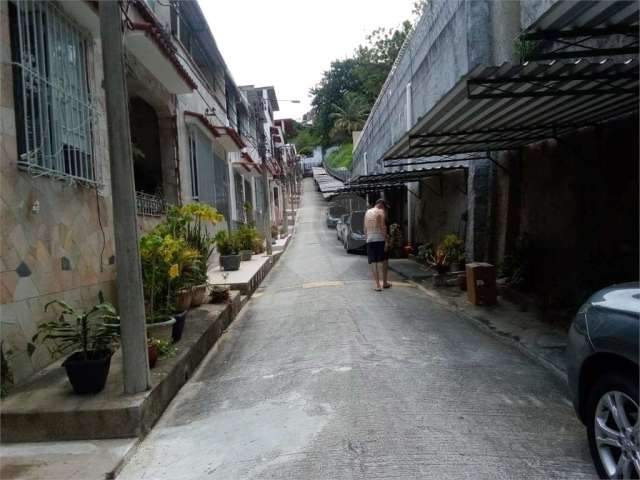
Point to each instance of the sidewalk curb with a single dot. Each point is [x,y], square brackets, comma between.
[506,339]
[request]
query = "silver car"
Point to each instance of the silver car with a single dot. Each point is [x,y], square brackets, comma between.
[333,215]
[354,238]
[602,369]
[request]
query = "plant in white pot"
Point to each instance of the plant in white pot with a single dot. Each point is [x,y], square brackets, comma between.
[87,336]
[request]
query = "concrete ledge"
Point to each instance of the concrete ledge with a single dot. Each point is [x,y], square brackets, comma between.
[45,408]
[247,279]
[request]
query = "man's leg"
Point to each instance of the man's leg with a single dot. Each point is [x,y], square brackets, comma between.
[376,274]
[385,272]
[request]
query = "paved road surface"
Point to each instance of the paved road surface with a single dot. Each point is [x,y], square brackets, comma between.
[323,378]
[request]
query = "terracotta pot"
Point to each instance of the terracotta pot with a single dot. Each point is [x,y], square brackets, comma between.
[183,302]
[197,295]
[152,352]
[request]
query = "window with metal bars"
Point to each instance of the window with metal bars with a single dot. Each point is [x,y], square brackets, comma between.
[54,114]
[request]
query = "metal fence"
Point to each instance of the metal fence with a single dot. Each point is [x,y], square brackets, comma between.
[150,205]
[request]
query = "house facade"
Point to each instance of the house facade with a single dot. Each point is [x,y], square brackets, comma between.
[196,137]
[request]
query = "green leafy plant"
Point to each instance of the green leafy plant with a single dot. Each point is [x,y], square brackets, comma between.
[453,248]
[227,243]
[165,349]
[246,236]
[425,252]
[168,266]
[274,231]
[395,236]
[86,331]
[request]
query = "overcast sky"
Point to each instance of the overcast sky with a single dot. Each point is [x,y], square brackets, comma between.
[289,43]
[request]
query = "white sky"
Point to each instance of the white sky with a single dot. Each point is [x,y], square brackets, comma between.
[290,43]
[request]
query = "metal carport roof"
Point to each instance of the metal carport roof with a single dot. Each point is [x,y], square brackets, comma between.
[506,107]
[327,184]
[404,176]
[571,29]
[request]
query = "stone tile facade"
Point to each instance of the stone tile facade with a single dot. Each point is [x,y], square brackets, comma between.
[56,239]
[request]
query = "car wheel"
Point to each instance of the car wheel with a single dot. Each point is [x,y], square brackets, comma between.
[612,426]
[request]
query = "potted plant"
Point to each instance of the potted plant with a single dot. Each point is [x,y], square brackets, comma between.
[246,237]
[395,240]
[152,352]
[219,294]
[160,281]
[159,349]
[258,244]
[274,233]
[439,262]
[453,247]
[86,335]
[197,236]
[227,245]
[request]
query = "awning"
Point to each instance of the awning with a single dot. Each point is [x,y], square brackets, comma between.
[203,121]
[595,28]
[148,43]
[405,176]
[246,166]
[506,107]
[230,139]
[329,186]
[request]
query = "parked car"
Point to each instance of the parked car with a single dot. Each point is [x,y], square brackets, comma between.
[333,215]
[340,227]
[602,370]
[353,237]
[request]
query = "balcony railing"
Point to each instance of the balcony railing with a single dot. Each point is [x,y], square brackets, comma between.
[150,205]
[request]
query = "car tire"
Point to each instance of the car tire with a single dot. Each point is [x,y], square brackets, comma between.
[605,457]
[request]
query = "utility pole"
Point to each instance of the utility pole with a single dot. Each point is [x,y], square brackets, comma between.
[129,275]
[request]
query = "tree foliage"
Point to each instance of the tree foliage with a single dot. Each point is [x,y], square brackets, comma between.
[348,90]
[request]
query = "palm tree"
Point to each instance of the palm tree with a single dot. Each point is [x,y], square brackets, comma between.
[349,117]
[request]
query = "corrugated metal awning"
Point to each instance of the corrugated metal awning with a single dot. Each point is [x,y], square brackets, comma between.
[571,29]
[329,186]
[506,107]
[384,180]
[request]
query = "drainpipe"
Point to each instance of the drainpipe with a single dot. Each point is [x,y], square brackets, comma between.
[409,199]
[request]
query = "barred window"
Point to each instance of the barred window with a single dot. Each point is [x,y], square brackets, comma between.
[54,115]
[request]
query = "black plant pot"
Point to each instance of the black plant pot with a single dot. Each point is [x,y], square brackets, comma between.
[230,262]
[178,327]
[88,375]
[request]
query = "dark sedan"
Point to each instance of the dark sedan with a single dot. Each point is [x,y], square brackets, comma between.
[602,369]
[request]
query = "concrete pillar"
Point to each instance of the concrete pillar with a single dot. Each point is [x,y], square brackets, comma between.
[168,159]
[480,186]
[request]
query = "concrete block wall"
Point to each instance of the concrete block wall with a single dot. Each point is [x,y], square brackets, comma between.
[577,200]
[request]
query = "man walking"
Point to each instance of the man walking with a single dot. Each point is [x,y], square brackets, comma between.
[376,233]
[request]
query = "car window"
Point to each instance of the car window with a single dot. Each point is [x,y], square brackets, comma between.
[357,222]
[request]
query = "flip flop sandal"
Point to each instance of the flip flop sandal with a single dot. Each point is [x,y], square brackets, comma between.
[377,289]
[388,285]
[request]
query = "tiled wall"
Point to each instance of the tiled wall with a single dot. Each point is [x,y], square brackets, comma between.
[63,250]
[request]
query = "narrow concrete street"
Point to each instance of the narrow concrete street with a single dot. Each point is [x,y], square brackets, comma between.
[321,377]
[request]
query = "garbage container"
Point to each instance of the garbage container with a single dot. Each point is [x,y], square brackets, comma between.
[481,283]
